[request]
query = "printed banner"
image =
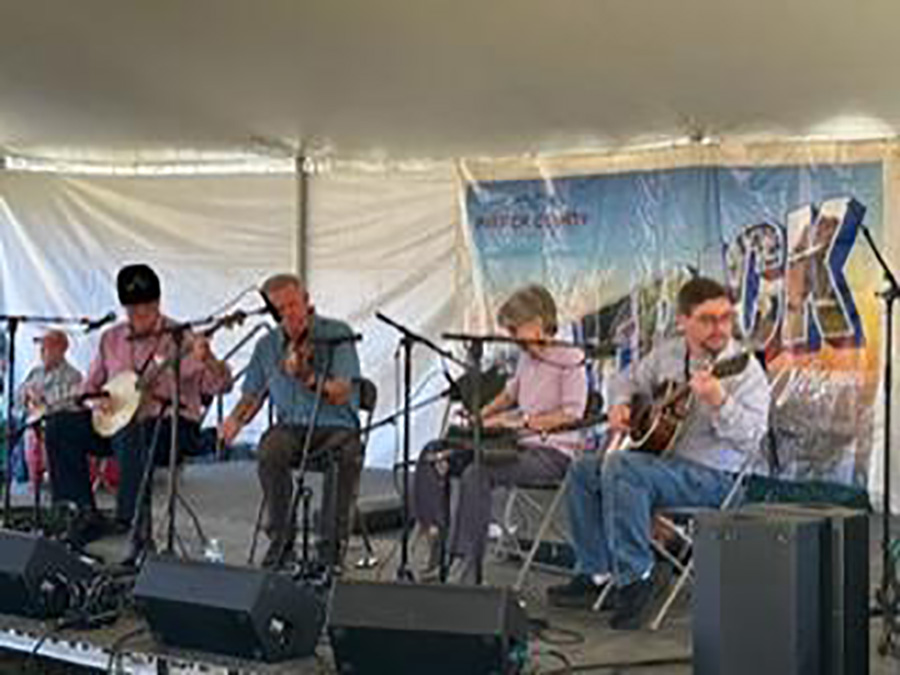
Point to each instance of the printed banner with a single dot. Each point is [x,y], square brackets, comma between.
[614,249]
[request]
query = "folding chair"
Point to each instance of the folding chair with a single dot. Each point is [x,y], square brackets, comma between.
[520,509]
[519,498]
[683,562]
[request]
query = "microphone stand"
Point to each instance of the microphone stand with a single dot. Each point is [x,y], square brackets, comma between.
[12,324]
[392,418]
[220,403]
[888,593]
[300,490]
[475,346]
[407,342]
[178,337]
[177,331]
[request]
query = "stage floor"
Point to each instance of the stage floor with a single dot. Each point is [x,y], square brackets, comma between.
[226,498]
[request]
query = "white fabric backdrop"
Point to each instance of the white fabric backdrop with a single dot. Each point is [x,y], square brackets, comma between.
[386,240]
[62,239]
[389,241]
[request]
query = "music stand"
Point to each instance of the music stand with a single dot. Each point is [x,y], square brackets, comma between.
[475,348]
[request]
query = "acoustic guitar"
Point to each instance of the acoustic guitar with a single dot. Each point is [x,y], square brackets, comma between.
[657,419]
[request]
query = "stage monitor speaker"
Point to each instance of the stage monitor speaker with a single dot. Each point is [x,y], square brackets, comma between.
[757,602]
[246,613]
[845,584]
[400,628]
[40,578]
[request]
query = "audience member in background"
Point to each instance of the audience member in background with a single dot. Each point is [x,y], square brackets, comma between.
[48,388]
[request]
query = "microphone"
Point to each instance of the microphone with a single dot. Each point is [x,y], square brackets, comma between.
[94,324]
[270,308]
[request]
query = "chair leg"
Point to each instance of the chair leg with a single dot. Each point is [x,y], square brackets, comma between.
[664,553]
[598,603]
[368,561]
[256,529]
[508,544]
[673,593]
[545,525]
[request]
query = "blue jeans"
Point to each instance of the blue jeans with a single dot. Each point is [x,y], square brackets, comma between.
[584,503]
[611,506]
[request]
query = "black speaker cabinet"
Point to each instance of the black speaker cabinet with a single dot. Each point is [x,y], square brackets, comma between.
[845,584]
[242,612]
[39,578]
[396,628]
[757,605]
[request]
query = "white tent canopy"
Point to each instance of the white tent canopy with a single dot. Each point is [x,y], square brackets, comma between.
[438,78]
[130,81]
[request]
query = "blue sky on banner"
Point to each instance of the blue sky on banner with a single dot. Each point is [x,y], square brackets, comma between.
[602,235]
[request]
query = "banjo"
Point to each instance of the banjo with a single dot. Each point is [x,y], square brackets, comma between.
[123,393]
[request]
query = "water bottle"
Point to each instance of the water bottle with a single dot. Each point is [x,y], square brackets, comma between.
[213,552]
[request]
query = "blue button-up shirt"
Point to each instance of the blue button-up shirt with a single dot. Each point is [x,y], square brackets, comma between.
[293,400]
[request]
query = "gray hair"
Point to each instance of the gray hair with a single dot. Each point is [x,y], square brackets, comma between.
[56,335]
[527,304]
[279,281]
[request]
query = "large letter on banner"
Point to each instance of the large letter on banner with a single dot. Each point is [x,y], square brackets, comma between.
[755,264]
[819,303]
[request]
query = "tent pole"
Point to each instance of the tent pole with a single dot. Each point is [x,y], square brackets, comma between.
[302,219]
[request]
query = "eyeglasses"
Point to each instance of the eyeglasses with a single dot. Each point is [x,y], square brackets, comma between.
[713,320]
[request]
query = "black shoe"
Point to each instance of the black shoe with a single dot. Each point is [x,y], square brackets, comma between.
[87,526]
[635,601]
[579,592]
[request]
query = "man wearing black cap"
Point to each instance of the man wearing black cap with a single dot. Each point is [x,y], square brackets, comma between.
[138,346]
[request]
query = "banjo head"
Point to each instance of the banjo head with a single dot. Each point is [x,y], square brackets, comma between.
[124,400]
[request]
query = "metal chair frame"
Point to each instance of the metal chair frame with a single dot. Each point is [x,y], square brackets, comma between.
[509,542]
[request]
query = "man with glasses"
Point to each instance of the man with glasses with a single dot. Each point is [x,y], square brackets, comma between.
[611,499]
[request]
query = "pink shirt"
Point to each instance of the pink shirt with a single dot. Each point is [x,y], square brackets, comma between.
[117,354]
[555,381]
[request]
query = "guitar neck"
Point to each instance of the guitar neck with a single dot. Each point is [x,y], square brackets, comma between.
[733,365]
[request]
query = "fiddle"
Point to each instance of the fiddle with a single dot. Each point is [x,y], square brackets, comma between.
[300,352]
